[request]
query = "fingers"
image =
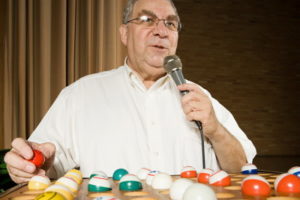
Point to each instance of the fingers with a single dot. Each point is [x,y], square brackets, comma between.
[14,160]
[18,173]
[190,87]
[196,101]
[195,111]
[48,149]
[19,168]
[17,179]
[22,147]
[19,176]
[196,104]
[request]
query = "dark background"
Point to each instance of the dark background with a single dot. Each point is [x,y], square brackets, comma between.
[246,53]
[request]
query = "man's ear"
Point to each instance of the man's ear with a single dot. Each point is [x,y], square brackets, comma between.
[123,33]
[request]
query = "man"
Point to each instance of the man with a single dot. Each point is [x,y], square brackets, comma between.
[134,116]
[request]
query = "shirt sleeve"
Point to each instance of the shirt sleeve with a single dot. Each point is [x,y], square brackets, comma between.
[228,121]
[56,127]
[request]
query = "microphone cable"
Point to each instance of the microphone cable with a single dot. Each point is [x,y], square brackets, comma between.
[173,67]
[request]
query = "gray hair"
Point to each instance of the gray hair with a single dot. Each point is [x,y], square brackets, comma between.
[129,9]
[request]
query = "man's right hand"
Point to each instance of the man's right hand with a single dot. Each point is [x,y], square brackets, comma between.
[18,166]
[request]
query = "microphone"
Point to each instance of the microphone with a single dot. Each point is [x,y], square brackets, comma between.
[173,67]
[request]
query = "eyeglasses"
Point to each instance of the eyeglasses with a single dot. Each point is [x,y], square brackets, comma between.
[147,21]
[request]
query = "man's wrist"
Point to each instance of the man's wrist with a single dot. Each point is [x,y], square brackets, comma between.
[218,134]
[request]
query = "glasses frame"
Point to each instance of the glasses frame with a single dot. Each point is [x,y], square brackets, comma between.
[156,21]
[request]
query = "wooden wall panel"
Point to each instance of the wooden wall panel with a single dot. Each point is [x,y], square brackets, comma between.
[246,53]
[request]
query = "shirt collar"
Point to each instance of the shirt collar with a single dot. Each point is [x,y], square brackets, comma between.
[136,82]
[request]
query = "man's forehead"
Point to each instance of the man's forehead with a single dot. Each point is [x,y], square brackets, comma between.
[163,6]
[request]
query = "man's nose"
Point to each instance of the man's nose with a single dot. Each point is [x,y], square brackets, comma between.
[160,29]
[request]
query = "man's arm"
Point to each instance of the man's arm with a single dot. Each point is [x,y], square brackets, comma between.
[197,106]
[228,149]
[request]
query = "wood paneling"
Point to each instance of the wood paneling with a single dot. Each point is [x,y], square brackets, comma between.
[246,53]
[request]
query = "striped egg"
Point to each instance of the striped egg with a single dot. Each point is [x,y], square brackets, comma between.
[69,183]
[130,182]
[99,184]
[77,177]
[142,173]
[38,183]
[220,178]
[204,174]
[61,189]
[249,169]
[98,173]
[50,196]
[150,176]
[255,185]
[188,172]
[295,170]
[76,171]
[287,183]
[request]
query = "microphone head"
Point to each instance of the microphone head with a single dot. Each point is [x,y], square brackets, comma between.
[172,63]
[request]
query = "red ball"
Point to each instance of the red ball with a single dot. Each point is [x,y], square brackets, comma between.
[188,172]
[204,174]
[287,183]
[38,158]
[255,185]
[220,178]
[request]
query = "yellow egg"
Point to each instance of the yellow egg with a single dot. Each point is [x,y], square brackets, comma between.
[75,176]
[69,183]
[50,196]
[76,171]
[63,190]
[38,183]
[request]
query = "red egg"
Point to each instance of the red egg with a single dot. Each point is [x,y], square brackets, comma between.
[188,172]
[220,178]
[287,183]
[38,158]
[255,185]
[204,174]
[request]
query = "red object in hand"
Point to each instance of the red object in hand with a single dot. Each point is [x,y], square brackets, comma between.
[38,158]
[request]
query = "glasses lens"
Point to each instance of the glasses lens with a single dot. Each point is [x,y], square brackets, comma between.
[171,24]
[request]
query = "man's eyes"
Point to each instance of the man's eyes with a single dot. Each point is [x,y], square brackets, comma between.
[170,23]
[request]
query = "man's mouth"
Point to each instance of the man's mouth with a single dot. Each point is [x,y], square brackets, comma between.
[159,46]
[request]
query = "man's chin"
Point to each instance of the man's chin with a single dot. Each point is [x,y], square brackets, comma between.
[157,62]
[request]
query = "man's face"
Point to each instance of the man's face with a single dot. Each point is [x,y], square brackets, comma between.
[147,46]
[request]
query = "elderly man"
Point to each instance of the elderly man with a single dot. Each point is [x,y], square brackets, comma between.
[134,116]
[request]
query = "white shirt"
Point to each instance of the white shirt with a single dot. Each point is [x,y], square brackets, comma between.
[109,120]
